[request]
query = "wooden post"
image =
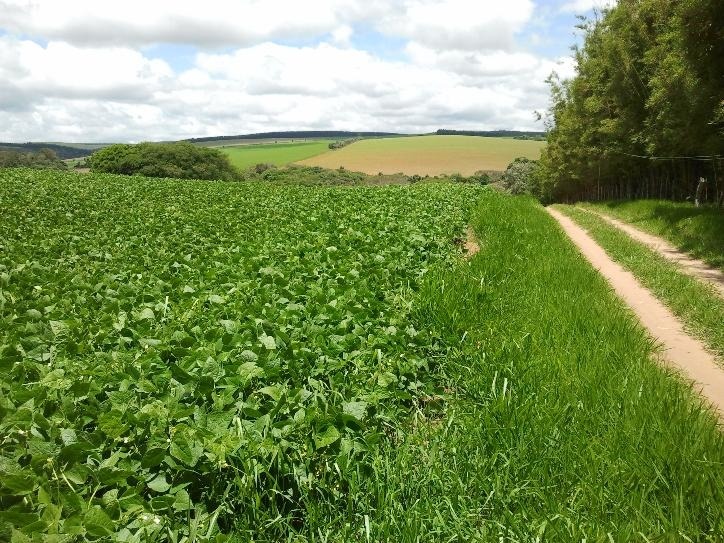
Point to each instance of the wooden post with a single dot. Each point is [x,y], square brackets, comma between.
[699,189]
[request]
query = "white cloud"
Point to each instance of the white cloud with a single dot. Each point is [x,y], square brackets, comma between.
[139,22]
[582,6]
[111,93]
[82,70]
[464,24]
[460,24]
[342,35]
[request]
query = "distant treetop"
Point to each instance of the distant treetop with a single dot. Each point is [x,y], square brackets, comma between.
[493,133]
[296,134]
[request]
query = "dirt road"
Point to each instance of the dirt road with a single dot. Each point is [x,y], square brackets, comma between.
[687,264]
[680,350]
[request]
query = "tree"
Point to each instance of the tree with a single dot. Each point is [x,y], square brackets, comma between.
[649,84]
[181,160]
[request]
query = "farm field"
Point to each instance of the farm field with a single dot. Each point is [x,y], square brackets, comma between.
[428,155]
[279,154]
[188,360]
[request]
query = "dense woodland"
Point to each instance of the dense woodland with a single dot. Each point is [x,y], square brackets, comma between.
[644,117]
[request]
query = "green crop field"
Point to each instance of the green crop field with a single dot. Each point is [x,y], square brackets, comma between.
[279,154]
[205,361]
[428,155]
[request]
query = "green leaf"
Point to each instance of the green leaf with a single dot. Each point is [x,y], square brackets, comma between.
[249,370]
[216,299]
[268,342]
[249,356]
[326,438]
[68,436]
[34,314]
[153,457]
[274,392]
[159,484]
[182,501]
[110,424]
[97,523]
[19,537]
[147,314]
[18,485]
[186,452]
[357,410]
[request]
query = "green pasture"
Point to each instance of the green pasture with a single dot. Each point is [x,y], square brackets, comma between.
[279,154]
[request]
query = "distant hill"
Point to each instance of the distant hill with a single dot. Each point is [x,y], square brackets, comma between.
[494,134]
[62,150]
[297,134]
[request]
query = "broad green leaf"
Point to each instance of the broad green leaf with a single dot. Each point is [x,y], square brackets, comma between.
[357,410]
[268,342]
[327,437]
[249,370]
[159,484]
[147,314]
[97,523]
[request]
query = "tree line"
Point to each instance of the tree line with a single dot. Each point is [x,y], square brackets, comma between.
[644,115]
[43,158]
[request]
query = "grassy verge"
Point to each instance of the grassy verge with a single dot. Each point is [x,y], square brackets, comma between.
[694,302]
[699,231]
[555,423]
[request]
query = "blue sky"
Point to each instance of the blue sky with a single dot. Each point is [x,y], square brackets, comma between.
[82,70]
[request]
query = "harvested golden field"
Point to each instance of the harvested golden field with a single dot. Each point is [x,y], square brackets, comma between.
[428,155]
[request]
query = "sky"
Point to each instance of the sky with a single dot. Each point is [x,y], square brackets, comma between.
[144,70]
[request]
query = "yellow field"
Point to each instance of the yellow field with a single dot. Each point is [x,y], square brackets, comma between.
[428,155]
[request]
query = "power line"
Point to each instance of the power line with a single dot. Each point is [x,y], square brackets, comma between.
[704,158]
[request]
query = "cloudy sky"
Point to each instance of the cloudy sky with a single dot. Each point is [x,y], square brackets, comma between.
[104,70]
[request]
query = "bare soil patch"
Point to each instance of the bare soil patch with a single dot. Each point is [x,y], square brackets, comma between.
[469,244]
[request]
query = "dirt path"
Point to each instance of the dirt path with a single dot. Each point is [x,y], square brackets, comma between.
[688,265]
[680,350]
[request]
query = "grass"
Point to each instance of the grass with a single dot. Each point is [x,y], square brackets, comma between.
[279,154]
[555,426]
[699,231]
[428,155]
[695,303]
[284,363]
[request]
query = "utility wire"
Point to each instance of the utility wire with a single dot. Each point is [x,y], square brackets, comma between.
[705,158]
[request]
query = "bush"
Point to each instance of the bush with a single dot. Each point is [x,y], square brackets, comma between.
[181,160]
[520,177]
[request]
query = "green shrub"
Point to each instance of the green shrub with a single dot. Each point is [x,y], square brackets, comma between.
[180,160]
[520,176]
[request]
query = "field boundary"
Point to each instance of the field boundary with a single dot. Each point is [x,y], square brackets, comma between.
[688,264]
[680,351]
